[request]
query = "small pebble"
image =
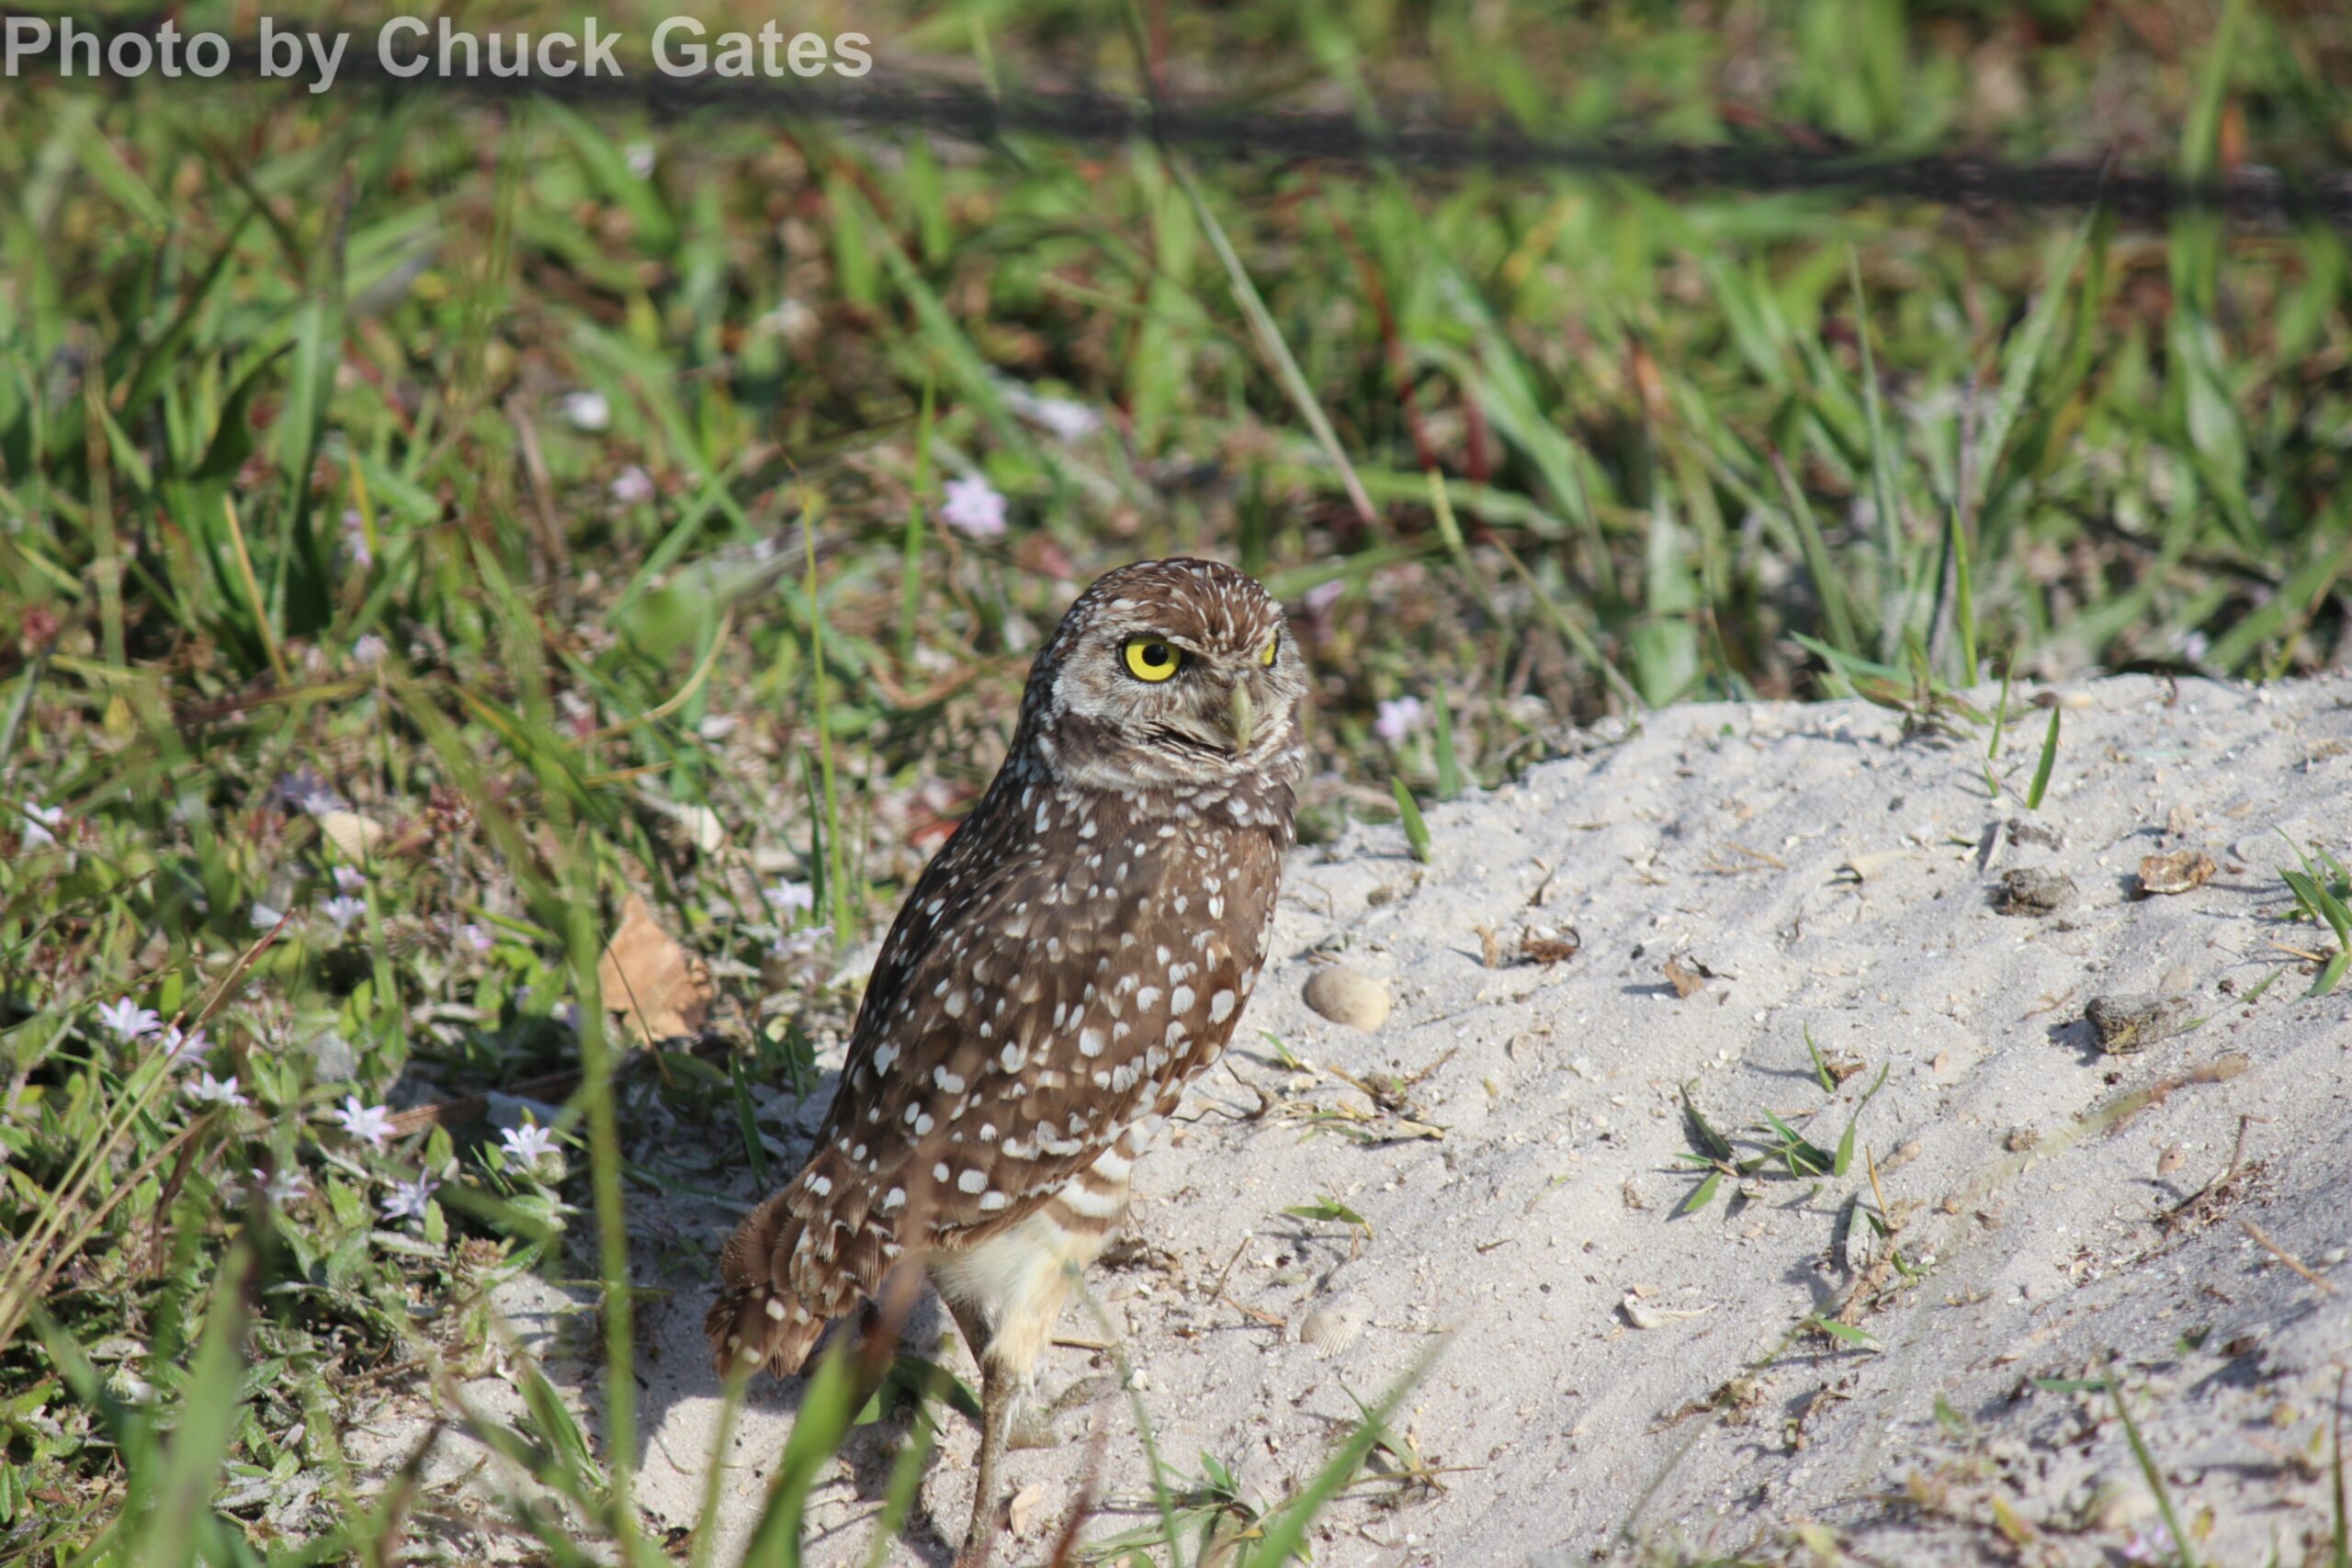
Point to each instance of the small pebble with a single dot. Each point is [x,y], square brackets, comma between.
[2118,1505]
[2135,1022]
[1345,996]
[2024,830]
[2029,890]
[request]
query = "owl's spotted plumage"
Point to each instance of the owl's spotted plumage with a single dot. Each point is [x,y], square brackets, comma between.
[1078,952]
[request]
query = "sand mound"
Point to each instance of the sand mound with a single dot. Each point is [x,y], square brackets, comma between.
[1735,878]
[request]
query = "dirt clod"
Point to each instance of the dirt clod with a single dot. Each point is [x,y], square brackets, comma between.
[2136,1020]
[2031,890]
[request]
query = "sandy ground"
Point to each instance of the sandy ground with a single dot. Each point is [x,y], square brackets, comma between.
[1608,1369]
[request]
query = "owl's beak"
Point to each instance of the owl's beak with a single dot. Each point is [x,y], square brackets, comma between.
[1241,717]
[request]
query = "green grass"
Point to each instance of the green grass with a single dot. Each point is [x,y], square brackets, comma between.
[2155,1476]
[509,509]
[2323,894]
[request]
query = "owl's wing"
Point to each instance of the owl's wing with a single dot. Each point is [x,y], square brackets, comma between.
[1028,1007]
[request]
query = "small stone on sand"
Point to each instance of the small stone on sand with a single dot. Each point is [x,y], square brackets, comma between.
[2126,1023]
[2029,890]
[1345,996]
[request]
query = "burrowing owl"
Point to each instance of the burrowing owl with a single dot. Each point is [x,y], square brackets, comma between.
[1077,953]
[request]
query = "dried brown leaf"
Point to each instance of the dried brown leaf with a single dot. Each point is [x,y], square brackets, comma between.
[1686,982]
[1027,1507]
[1548,944]
[661,990]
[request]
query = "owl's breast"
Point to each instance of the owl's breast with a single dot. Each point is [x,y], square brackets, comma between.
[1186,948]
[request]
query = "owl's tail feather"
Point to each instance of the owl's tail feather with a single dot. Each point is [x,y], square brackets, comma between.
[757,1320]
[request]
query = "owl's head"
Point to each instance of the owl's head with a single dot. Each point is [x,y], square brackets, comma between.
[1168,673]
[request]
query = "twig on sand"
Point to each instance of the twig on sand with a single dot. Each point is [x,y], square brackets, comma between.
[2283,1256]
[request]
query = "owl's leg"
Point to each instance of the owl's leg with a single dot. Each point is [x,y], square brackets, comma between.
[996,1411]
[972,1322]
[980,1536]
[1005,1293]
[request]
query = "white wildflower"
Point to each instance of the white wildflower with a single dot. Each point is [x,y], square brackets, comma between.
[209,1090]
[371,1123]
[785,897]
[526,1145]
[128,1019]
[354,539]
[40,824]
[789,320]
[588,411]
[801,945]
[1399,718]
[974,508]
[408,1199]
[181,1045]
[634,487]
[286,1187]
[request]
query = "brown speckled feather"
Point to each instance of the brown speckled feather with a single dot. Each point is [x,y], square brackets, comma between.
[1070,959]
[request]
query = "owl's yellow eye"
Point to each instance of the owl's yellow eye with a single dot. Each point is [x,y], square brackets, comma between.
[1148,659]
[1273,646]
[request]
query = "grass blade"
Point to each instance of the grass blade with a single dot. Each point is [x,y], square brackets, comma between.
[836,887]
[1890,520]
[898,1496]
[1286,1537]
[1844,1332]
[2331,974]
[2049,759]
[1846,1139]
[1993,747]
[756,1152]
[1270,344]
[1828,584]
[1701,1196]
[210,1403]
[1703,1136]
[2343,1554]
[2020,364]
[706,1536]
[1964,600]
[585,950]
[1449,770]
[2155,1476]
[911,546]
[818,1434]
[1821,1073]
[1417,832]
